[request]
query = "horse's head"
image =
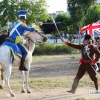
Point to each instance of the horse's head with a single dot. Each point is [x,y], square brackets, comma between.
[37,36]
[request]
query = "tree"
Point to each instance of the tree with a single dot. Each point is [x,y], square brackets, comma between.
[65,22]
[77,10]
[9,13]
[36,10]
[92,15]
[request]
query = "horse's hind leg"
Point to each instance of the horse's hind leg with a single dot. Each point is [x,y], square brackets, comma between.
[8,73]
[2,78]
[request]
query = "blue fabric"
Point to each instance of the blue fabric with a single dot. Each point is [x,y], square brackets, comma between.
[21,29]
[22,12]
[24,52]
[14,47]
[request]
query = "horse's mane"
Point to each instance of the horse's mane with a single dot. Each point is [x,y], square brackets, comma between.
[3,38]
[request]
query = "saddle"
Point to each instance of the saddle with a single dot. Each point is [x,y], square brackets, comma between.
[14,48]
[8,39]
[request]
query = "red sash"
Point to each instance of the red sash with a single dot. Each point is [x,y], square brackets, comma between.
[82,60]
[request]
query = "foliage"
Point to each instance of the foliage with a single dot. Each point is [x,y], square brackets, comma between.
[70,38]
[36,10]
[65,21]
[92,15]
[10,11]
[77,9]
[48,49]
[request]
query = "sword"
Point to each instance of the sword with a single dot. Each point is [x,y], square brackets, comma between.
[56,26]
[94,65]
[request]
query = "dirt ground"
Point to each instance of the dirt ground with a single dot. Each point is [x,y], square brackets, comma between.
[66,67]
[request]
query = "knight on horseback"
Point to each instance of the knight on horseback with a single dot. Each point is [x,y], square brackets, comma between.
[12,50]
[17,33]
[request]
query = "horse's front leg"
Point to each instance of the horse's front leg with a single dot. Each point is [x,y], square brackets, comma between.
[23,82]
[8,73]
[27,65]
[26,78]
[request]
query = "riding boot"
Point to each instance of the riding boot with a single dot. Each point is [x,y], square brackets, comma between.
[22,66]
[74,86]
[96,85]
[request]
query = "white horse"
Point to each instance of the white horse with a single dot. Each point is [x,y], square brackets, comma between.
[6,59]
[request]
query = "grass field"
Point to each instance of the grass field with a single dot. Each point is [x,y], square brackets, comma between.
[50,83]
[53,57]
[57,65]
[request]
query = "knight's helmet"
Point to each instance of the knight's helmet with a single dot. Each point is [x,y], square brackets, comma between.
[89,37]
[22,14]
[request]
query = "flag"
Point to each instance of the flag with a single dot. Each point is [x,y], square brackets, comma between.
[93,28]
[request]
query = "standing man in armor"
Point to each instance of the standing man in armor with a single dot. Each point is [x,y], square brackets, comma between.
[85,63]
[17,33]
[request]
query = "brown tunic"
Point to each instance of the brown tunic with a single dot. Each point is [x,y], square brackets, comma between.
[92,51]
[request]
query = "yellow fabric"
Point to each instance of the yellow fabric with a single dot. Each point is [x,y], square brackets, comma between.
[18,39]
[23,24]
[19,55]
[12,52]
[36,27]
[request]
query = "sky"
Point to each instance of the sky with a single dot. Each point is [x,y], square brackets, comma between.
[56,5]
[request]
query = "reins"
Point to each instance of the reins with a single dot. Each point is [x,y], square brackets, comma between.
[35,41]
[31,40]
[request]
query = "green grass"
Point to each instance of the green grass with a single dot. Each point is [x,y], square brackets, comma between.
[53,57]
[80,99]
[86,99]
[50,83]
[52,49]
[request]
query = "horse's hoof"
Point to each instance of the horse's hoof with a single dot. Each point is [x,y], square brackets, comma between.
[22,91]
[1,87]
[28,91]
[13,95]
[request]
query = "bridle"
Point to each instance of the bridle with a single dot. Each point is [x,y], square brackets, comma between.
[31,40]
[39,34]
